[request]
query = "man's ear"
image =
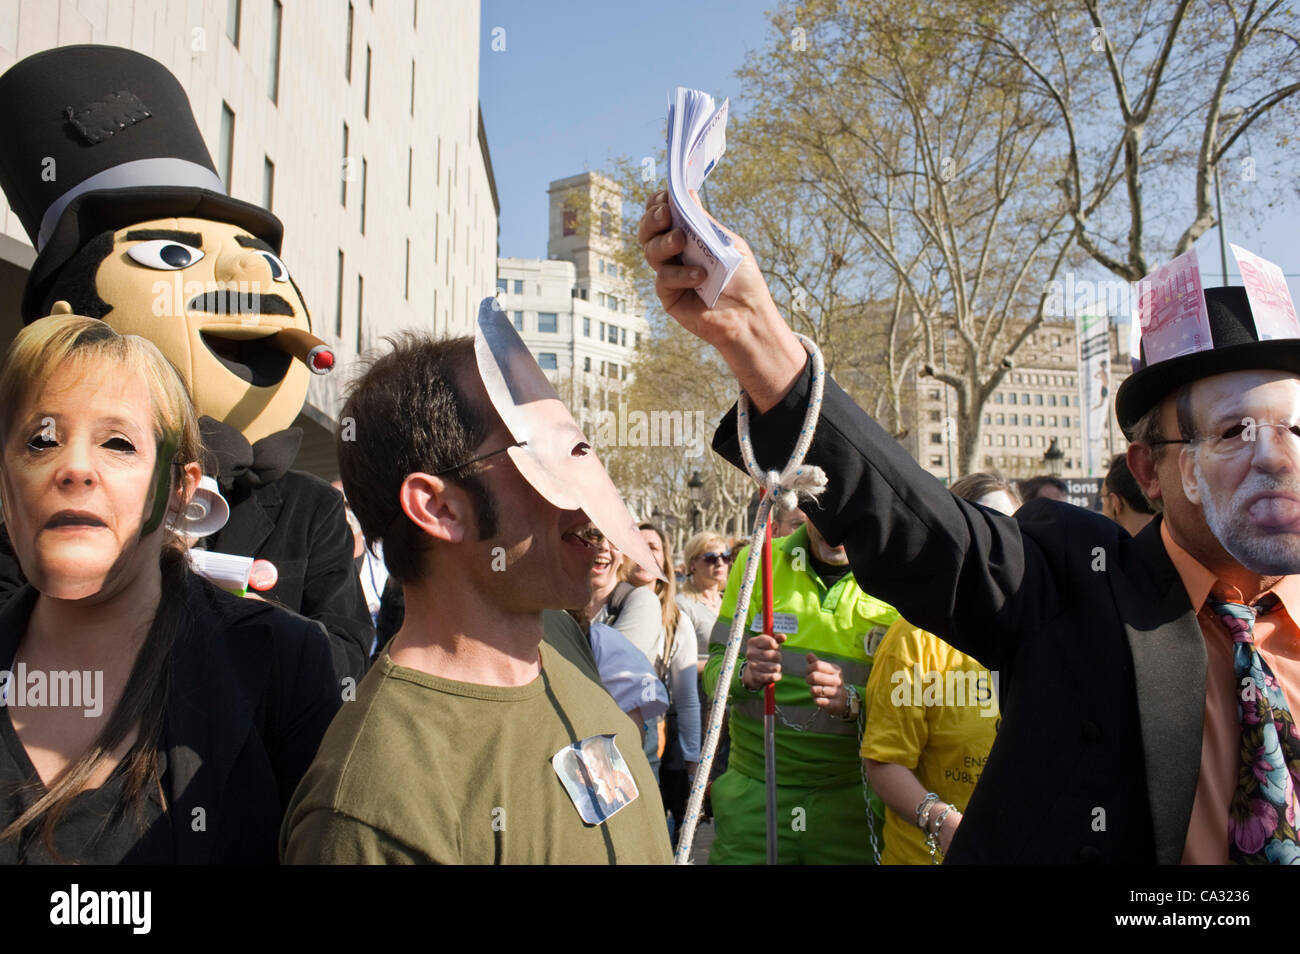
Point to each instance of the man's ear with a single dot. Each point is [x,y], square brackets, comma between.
[1187,468]
[61,307]
[1143,467]
[440,509]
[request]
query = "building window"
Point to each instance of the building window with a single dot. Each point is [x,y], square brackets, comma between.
[1002,419]
[361,307]
[547,361]
[586,329]
[624,372]
[988,440]
[232,21]
[406,291]
[345,167]
[604,219]
[338,300]
[1051,421]
[1024,399]
[546,322]
[367,103]
[268,182]
[1011,398]
[1051,400]
[415,15]
[586,363]
[273,80]
[364,178]
[1002,440]
[622,337]
[936,438]
[602,331]
[997,398]
[934,394]
[503,285]
[570,222]
[1015,420]
[988,418]
[519,286]
[347,60]
[410,164]
[636,339]
[1039,420]
[936,461]
[226,148]
[988,460]
[1015,440]
[601,265]
[1065,421]
[412,86]
[519,321]
[936,416]
[1038,400]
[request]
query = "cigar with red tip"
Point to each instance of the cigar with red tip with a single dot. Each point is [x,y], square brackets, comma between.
[306,347]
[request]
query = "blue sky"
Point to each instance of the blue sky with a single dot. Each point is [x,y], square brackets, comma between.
[582,82]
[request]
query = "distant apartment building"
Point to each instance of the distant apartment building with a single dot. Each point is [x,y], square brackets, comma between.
[576,310]
[356,122]
[1037,402]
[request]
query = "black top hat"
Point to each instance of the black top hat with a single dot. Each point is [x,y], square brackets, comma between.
[1236,348]
[96,138]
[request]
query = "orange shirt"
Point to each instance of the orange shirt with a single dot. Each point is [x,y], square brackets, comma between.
[1278,640]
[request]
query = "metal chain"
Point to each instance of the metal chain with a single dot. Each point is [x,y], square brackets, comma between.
[866,787]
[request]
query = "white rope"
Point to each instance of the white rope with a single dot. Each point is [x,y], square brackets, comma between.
[783,492]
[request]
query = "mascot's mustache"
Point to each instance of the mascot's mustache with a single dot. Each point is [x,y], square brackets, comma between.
[237,303]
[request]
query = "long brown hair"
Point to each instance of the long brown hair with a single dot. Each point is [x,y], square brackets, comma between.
[38,350]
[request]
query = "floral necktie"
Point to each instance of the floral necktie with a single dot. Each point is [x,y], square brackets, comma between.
[1266,806]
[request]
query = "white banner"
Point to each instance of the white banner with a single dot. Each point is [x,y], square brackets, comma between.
[1093,333]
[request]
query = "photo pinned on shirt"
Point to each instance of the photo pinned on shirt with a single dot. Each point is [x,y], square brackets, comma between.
[597,779]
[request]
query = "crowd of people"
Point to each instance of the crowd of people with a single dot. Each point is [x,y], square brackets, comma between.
[470,651]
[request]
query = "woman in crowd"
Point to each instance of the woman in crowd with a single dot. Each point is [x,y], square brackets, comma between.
[674,662]
[197,711]
[707,557]
[925,744]
[631,610]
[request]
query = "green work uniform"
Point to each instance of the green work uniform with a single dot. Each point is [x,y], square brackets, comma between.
[821,801]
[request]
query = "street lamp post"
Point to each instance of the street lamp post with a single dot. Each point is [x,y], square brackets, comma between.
[695,486]
[1053,458]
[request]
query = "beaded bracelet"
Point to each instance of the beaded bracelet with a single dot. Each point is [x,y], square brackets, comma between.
[923,810]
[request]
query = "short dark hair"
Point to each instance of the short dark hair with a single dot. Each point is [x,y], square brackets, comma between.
[75,281]
[407,413]
[1033,486]
[1120,480]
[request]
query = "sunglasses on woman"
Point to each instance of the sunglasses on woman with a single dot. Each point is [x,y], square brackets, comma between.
[712,558]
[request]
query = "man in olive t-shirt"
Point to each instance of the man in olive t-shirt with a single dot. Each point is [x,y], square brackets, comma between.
[426,770]
[471,740]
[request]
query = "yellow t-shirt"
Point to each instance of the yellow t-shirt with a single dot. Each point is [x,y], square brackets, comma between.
[934,710]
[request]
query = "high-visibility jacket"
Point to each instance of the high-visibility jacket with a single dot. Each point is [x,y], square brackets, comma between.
[840,624]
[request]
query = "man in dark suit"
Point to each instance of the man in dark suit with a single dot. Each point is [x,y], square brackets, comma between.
[1124,666]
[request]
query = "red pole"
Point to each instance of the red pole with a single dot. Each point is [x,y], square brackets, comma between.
[769,702]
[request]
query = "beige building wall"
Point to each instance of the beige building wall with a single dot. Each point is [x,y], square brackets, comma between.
[1037,401]
[416,156]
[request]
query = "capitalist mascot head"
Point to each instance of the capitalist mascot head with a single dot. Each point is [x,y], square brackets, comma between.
[103,164]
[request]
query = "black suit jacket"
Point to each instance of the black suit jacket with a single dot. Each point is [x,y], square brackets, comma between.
[1101,660]
[252,692]
[297,523]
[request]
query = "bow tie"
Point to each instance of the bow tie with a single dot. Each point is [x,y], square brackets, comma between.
[239,463]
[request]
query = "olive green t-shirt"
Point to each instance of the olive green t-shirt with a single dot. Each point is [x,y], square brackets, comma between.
[424,770]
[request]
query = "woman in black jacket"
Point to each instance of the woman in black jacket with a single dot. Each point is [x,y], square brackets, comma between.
[148,717]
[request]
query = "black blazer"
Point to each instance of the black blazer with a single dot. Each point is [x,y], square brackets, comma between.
[297,523]
[1101,660]
[252,692]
